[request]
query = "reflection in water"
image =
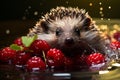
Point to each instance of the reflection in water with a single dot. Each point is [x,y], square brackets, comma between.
[103,72]
[112,75]
[8,72]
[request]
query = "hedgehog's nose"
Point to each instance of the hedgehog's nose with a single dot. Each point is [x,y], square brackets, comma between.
[69,41]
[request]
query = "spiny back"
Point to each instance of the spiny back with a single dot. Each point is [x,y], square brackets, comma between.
[62,12]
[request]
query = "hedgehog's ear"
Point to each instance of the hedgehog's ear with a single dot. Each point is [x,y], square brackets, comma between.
[44,26]
[86,23]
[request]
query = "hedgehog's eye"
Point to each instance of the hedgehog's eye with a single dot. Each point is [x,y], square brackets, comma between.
[77,31]
[58,31]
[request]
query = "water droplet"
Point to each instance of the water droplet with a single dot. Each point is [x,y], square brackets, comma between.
[101,8]
[26,10]
[7,31]
[109,7]
[29,7]
[101,18]
[100,3]
[90,4]
[67,2]
[36,13]
[101,12]
[108,19]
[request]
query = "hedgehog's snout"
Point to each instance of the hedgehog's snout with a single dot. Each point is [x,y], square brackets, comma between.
[69,41]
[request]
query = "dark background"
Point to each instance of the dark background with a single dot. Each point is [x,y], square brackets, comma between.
[16,9]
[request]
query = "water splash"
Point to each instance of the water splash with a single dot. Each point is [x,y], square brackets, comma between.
[103,7]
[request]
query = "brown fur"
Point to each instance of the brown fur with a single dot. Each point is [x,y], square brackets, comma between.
[70,23]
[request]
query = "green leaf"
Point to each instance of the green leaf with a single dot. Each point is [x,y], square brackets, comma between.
[16,47]
[27,41]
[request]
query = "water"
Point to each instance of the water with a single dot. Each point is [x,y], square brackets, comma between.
[9,72]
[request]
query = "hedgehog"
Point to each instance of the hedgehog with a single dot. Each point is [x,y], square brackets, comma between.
[71,30]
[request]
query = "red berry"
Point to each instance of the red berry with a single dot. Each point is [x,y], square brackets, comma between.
[7,54]
[116,36]
[18,41]
[39,45]
[21,58]
[95,58]
[55,58]
[115,44]
[36,63]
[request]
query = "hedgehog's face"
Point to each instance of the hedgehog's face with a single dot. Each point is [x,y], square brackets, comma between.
[67,31]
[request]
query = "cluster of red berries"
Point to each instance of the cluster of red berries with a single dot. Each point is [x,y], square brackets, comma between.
[40,56]
[115,45]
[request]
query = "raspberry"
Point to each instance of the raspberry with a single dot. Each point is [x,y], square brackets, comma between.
[55,58]
[7,54]
[115,44]
[116,36]
[35,63]
[18,41]
[95,58]
[21,58]
[39,45]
